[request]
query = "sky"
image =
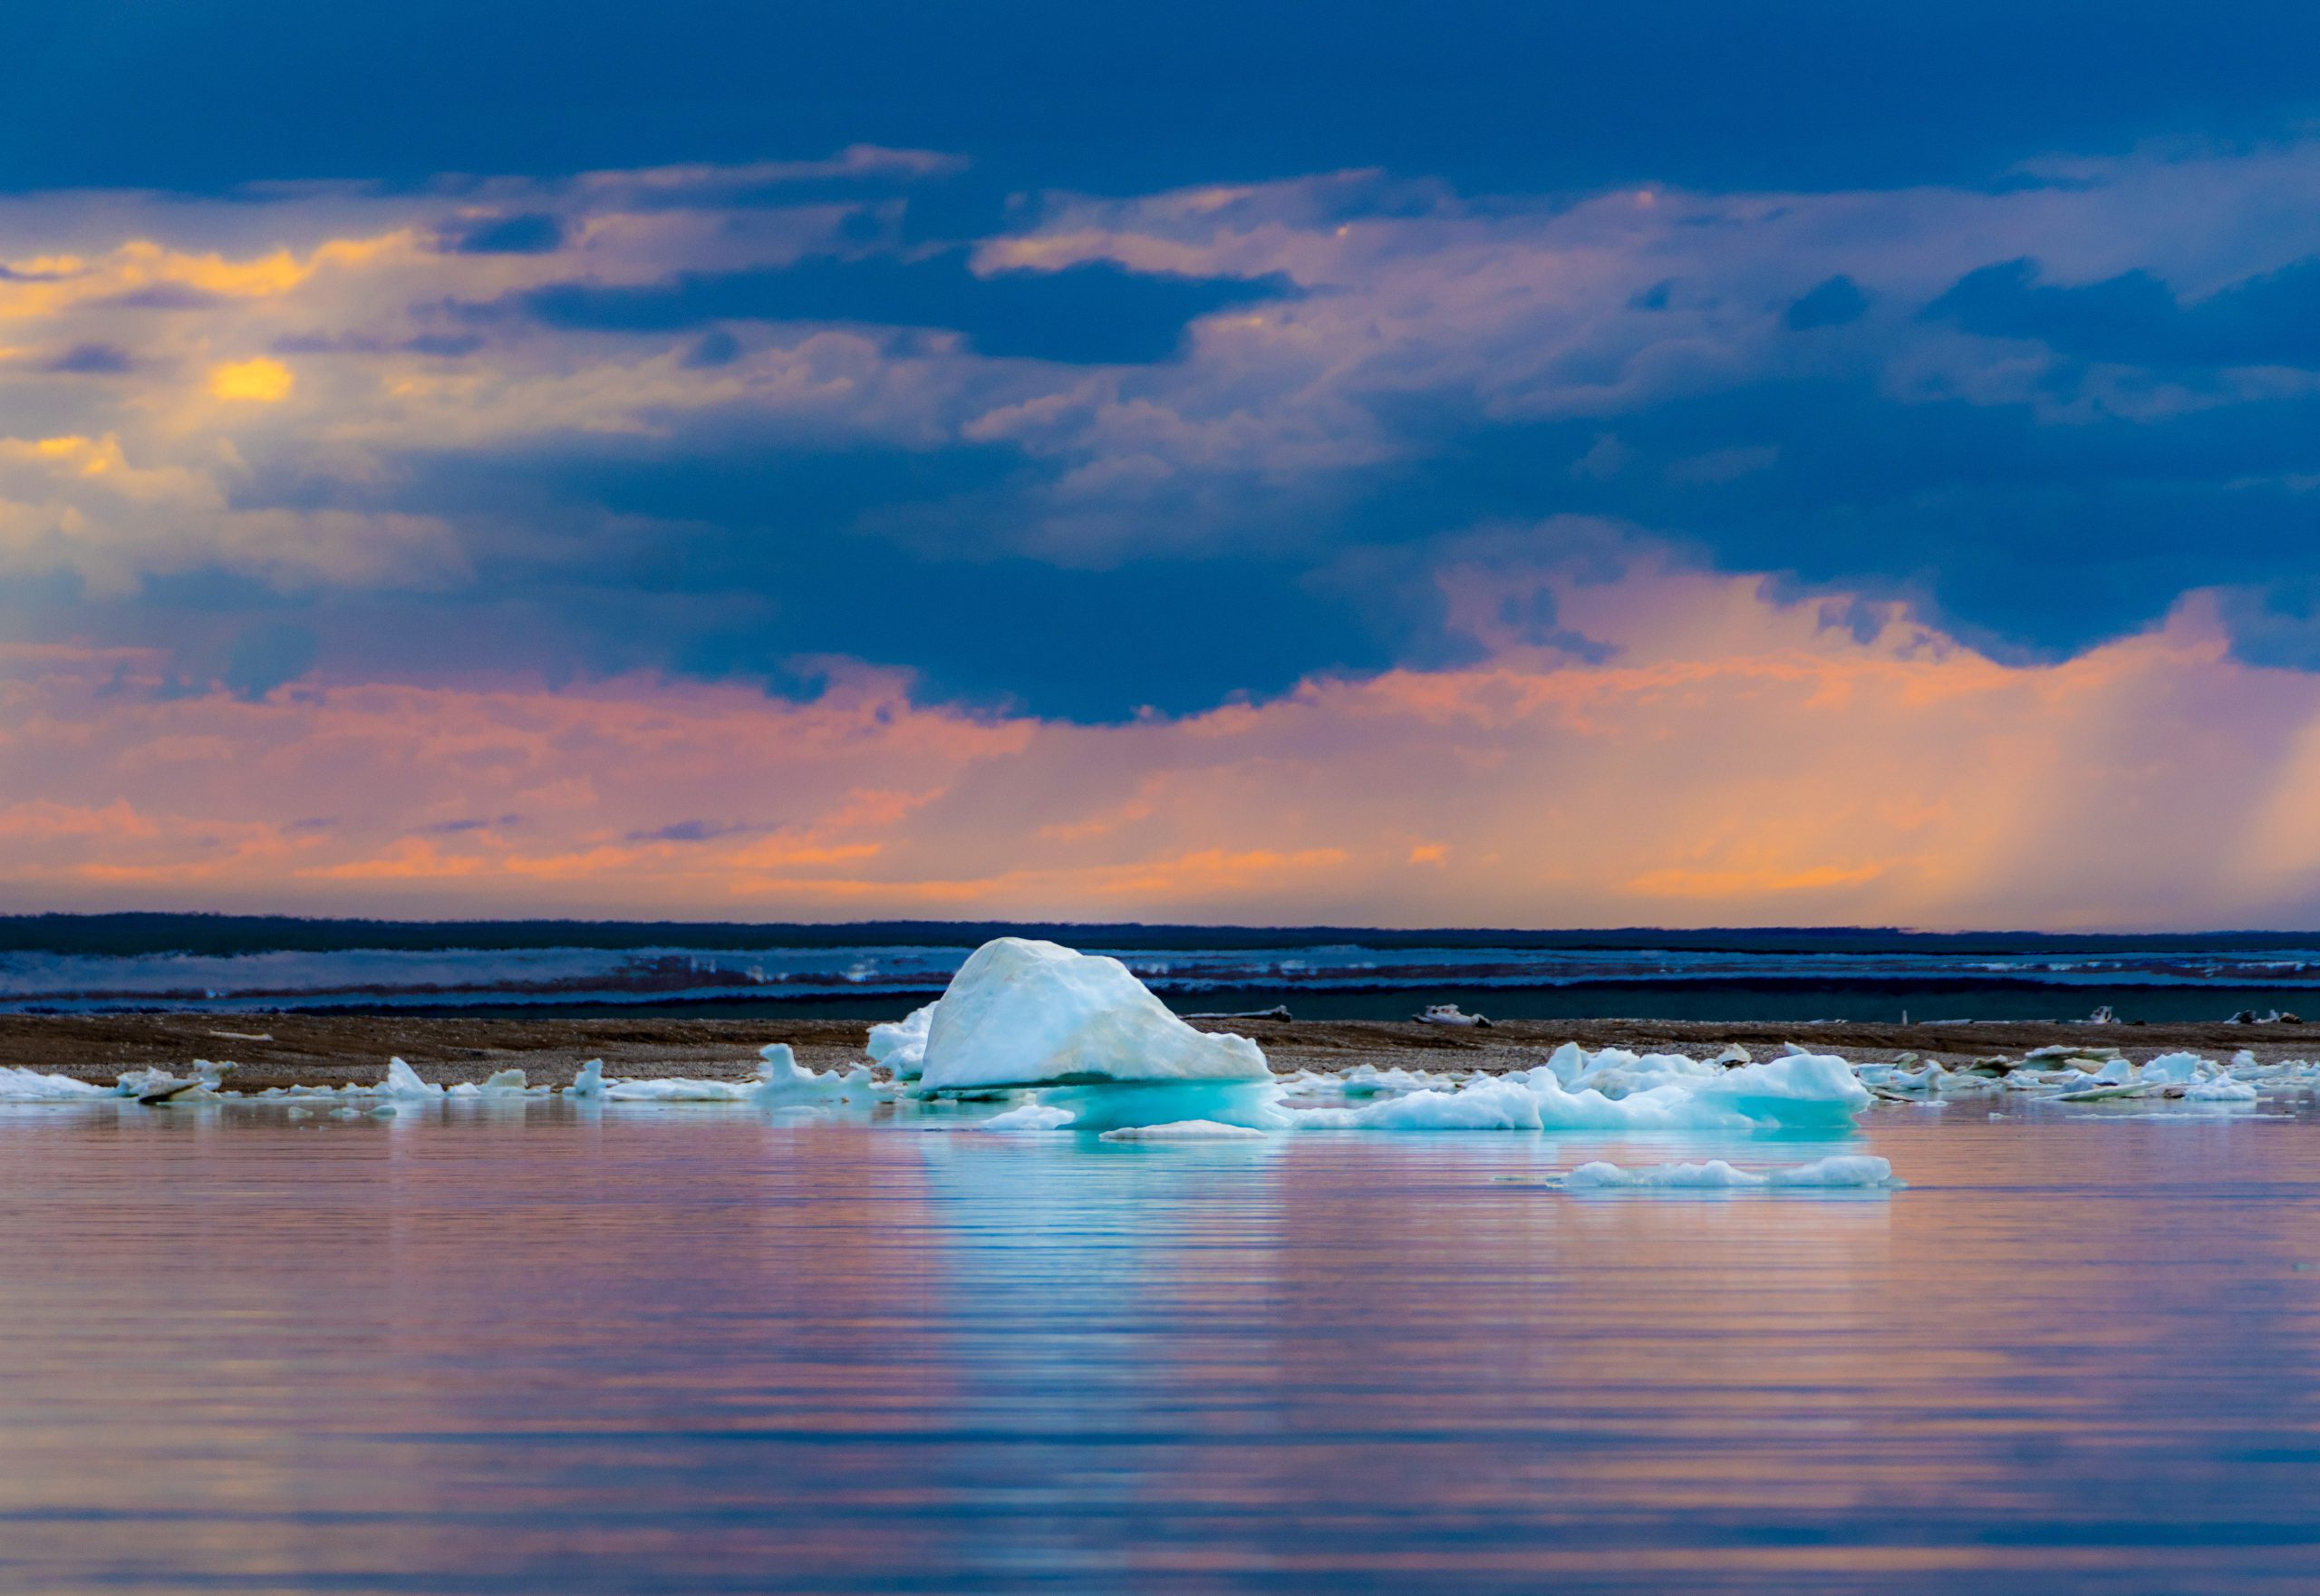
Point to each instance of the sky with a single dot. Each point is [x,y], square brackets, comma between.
[1535,465]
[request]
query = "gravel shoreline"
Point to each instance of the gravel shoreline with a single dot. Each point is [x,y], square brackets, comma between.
[334,1049]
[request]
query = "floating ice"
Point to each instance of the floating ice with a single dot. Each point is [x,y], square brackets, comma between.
[501,1085]
[901,1044]
[1485,1105]
[1024,1013]
[1802,1088]
[1662,1092]
[2173,1069]
[782,1080]
[2223,1089]
[30,1086]
[677,1089]
[403,1082]
[1182,1130]
[1029,1116]
[1855,1170]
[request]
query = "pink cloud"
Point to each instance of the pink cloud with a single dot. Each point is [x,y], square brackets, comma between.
[1728,756]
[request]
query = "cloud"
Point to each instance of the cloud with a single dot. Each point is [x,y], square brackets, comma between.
[2135,319]
[1832,304]
[90,360]
[529,233]
[1095,314]
[734,414]
[1726,755]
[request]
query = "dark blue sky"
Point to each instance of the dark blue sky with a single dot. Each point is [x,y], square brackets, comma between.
[1058,498]
[206,93]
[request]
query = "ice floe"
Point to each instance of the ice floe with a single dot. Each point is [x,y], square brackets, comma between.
[30,1086]
[781,1082]
[1618,1090]
[1842,1171]
[1184,1130]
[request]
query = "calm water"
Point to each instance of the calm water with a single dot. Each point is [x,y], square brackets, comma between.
[531,1351]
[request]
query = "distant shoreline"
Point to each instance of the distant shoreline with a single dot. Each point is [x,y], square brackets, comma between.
[147,931]
[308,1049]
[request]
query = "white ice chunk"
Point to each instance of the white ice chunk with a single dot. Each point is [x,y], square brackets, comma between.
[2223,1089]
[1184,1130]
[589,1082]
[1843,1170]
[505,1083]
[30,1086]
[677,1089]
[1447,1015]
[1802,1088]
[2173,1069]
[901,1044]
[402,1081]
[1020,1013]
[782,1080]
[1030,1116]
[1486,1104]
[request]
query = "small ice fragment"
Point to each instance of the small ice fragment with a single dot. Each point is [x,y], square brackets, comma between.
[505,1083]
[1184,1130]
[589,1082]
[1447,1015]
[901,1044]
[403,1082]
[1030,1116]
[1845,1170]
[2173,1069]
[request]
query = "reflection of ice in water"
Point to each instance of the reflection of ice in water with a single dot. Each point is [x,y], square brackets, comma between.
[1090,1290]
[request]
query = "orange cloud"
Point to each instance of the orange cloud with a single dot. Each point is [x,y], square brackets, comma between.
[1734,759]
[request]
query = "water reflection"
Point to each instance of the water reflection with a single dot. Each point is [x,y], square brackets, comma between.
[536,1349]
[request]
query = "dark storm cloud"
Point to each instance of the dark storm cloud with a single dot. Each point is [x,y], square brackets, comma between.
[1091,314]
[532,233]
[90,360]
[2135,319]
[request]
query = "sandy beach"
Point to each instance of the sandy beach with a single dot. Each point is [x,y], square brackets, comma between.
[308,1049]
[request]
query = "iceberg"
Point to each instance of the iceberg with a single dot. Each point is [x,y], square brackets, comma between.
[1847,1170]
[1021,1012]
